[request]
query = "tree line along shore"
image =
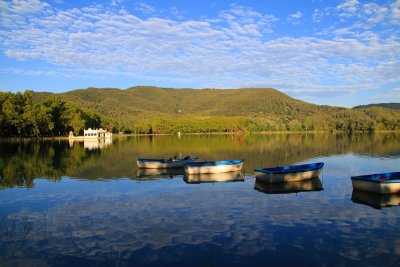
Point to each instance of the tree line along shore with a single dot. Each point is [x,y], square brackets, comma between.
[26,115]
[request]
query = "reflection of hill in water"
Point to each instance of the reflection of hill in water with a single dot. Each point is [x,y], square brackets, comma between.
[20,163]
[148,222]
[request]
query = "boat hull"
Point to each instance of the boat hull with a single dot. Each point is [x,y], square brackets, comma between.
[287,177]
[162,163]
[279,175]
[380,183]
[213,167]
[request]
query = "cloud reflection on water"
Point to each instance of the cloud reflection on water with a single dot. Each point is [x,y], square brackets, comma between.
[127,220]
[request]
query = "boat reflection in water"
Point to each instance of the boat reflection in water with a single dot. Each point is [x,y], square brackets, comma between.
[313,184]
[377,201]
[214,177]
[159,173]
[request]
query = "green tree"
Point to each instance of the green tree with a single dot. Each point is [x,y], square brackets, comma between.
[59,116]
[42,123]
[76,123]
[13,110]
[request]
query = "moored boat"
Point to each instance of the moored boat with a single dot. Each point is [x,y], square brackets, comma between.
[213,166]
[313,184]
[147,163]
[379,183]
[213,177]
[292,173]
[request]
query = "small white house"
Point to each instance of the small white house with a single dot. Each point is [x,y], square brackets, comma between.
[97,133]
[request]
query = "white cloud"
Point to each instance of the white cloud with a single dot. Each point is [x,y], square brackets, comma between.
[25,6]
[391,96]
[176,12]
[395,12]
[235,49]
[295,17]
[348,8]
[116,2]
[375,13]
[243,20]
[317,15]
[145,9]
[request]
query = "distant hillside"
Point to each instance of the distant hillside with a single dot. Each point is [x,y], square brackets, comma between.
[146,109]
[153,110]
[39,97]
[150,101]
[395,106]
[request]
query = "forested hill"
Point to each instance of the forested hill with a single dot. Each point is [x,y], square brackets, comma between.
[144,109]
[164,110]
[148,101]
[395,106]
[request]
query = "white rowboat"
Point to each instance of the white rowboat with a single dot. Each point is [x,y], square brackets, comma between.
[379,183]
[293,173]
[163,163]
[213,166]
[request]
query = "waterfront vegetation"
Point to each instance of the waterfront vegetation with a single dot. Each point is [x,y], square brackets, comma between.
[21,116]
[152,110]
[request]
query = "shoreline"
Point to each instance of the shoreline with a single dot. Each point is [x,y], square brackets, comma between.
[116,136]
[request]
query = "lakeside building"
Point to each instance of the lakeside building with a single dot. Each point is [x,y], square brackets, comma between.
[92,134]
[97,133]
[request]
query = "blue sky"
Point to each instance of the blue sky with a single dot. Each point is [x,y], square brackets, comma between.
[341,53]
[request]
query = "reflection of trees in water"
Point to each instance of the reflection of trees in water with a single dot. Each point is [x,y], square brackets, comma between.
[21,163]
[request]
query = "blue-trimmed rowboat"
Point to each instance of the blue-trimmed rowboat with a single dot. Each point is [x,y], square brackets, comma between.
[213,166]
[293,173]
[144,163]
[379,183]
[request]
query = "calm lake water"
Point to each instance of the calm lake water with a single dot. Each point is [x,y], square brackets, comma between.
[86,204]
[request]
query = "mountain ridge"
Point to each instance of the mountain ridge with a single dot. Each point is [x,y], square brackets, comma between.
[207,101]
[393,105]
[150,109]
